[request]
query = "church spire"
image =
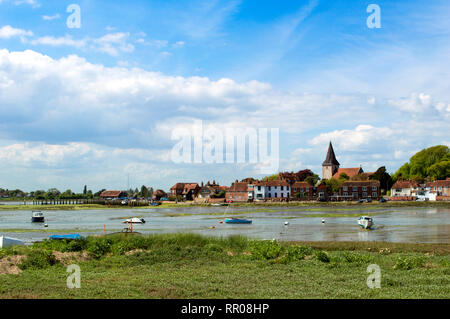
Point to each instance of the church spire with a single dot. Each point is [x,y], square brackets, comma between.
[331,158]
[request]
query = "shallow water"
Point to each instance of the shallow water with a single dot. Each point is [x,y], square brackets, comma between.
[406,224]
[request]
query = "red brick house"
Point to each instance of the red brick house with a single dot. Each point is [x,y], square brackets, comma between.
[355,190]
[237,192]
[305,191]
[187,190]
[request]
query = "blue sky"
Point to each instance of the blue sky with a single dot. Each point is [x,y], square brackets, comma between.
[94,104]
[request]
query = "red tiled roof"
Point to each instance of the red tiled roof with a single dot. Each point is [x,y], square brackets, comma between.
[405,184]
[177,186]
[238,187]
[272,183]
[110,193]
[301,184]
[352,171]
[440,183]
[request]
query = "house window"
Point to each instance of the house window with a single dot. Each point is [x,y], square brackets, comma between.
[345,188]
[295,190]
[345,194]
[355,189]
[282,195]
[269,188]
[270,195]
[364,188]
[259,188]
[281,187]
[374,194]
[355,194]
[364,194]
[275,194]
[374,188]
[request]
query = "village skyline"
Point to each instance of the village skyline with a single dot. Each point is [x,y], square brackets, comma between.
[91,94]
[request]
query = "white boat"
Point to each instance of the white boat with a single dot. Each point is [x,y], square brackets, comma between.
[365,222]
[8,241]
[134,220]
[37,217]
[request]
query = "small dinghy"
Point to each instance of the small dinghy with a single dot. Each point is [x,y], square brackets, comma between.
[365,222]
[237,221]
[37,216]
[134,220]
[68,237]
[219,204]
[8,241]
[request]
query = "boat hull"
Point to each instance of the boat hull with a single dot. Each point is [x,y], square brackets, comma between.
[37,219]
[7,242]
[238,221]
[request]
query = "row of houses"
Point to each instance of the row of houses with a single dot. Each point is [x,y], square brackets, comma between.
[412,190]
[283,191]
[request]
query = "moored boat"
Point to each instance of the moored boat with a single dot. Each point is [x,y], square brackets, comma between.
[238,221]
[365,222]
[37,217]
[8,241]
[68,237]
[134,220]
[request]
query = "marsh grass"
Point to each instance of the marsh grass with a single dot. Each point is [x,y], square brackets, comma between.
[195,266]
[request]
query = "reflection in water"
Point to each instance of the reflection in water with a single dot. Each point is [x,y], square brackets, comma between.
[399,225]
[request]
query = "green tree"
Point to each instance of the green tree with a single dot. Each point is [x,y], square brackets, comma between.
[427,162]
[384,178]
[85,190]
[312,180]
[144,191]
[333,185]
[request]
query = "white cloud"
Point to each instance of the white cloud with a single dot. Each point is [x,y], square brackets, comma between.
[59,41]
[7,32]
[53,17]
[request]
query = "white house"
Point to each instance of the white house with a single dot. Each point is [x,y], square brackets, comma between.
[404,188]
[272,189]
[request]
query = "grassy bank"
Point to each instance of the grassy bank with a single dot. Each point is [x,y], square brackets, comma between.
[193,266]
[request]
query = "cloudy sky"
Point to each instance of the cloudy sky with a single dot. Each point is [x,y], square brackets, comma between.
[96,104]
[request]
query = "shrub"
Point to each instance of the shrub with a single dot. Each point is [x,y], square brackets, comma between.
[409,263]
[322,256]
[38,259]
[268,249]
[356,258]
[98,247]
[75,245]
[298,252]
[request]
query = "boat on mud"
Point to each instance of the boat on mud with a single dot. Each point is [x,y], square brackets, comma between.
[37,216]
[365,222]
[219,204]
[67,237]
[134,220]
[238,221]
[8,241]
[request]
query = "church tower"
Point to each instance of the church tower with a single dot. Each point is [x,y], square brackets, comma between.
[330,166]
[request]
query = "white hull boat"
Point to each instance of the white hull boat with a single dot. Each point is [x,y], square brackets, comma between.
[365,222]
[8,241]
[134,220]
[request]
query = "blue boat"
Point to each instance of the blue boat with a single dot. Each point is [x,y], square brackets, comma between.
[237,221]
[68,237]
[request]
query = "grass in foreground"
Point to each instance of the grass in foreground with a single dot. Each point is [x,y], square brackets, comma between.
[194,266]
